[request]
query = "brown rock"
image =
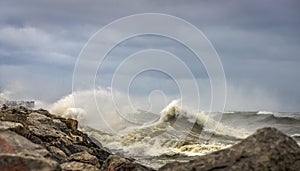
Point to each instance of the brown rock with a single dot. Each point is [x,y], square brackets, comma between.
[10,162]
[77,166]
[267,149]
[116,163]
[85,157]
[71,123]
[18,153]
[57,151]
[71,148]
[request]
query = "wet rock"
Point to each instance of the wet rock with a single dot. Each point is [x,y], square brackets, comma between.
[116,163]
[18,153]
[101,154]
[96,142]
[78,166]
[267,149]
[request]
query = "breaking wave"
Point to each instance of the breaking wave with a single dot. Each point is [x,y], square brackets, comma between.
[175,130]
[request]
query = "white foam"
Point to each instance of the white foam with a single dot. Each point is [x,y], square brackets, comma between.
[264,113]
[229,112]
[295,135]
[172,112]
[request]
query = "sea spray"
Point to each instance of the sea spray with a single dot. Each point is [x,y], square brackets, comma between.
[102,115]
[176,130]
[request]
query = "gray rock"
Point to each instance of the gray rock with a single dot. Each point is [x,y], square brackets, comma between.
[267,149]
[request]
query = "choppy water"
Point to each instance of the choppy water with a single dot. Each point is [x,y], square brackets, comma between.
[175,134]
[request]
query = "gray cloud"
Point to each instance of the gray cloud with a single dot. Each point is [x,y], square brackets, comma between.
[258,43]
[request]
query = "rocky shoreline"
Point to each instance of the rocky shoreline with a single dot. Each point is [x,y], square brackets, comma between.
[37,140]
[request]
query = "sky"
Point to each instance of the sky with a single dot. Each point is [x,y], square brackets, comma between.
[257,41]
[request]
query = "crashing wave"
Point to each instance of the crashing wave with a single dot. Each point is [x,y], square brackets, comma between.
[156,138]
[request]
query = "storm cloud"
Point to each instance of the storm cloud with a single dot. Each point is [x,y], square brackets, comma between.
[257,41]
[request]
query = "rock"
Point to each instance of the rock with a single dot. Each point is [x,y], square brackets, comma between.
[116,163]
[18,153]
[42,141]
[4,107]
[13,143]
[77,166]
[60,154]
[267,149]
[96,142]
[9,162]
[7,125]
[85,157]
[36,118]
[71,123]
[101,154]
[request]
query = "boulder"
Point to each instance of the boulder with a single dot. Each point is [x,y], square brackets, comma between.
[18,153]
[71,123]
[266,149]
[7,125]
[84,157]
[78,166]
[116,163]
[37,140]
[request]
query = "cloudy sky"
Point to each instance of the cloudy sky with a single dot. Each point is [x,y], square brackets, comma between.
[257,41]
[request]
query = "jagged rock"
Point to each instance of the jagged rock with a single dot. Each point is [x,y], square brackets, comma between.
[59,142]
[18,153]
[267,149]
[77,166]
[116,163]
[71,123]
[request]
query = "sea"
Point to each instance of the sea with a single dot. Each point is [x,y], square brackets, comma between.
[175,133]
